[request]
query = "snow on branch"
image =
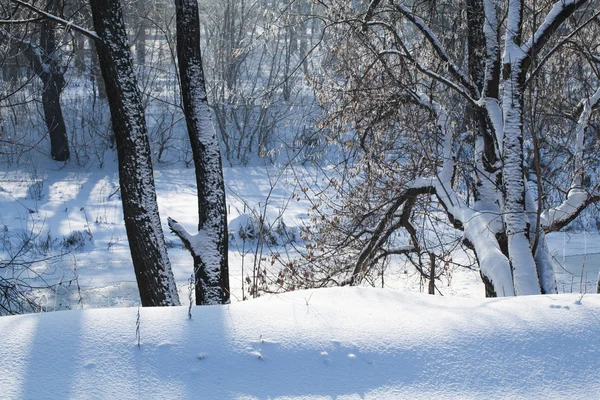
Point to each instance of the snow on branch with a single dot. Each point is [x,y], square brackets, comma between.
[19,21]
[577,199]
[560,11]
[181,233]
[558,217]
[58,20]
[582,124]
[542,62]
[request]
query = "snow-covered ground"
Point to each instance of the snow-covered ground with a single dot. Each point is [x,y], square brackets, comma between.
[62,208]
[79,213]
[337,343]
[343,343]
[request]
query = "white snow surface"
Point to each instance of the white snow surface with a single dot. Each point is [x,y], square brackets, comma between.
[345,343]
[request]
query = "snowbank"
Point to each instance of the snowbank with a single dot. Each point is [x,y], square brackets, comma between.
[330,343]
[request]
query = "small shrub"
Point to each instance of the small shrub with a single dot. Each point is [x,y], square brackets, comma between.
[76,240]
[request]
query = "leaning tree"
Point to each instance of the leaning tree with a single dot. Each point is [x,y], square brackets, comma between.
[476,108]
[154,276]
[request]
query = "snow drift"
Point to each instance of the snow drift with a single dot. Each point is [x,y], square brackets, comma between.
[319,344]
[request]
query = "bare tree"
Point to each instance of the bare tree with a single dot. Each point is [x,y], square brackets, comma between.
[155,279]
[209,245]
[48,64]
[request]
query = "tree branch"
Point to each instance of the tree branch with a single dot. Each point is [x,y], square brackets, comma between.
[182,234]
[546,57]
[458,89]
[437,47]
[19,21]
[556,218]
[58,20]
[560,11]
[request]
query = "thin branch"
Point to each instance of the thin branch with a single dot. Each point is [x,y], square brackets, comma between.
[437,47]
[19,21]
[460,90]
[58,20]
[543,61]
[560,11]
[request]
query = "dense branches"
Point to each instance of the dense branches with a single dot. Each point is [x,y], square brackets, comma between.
[398,54]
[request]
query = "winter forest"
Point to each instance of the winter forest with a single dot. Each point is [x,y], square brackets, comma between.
[404,191]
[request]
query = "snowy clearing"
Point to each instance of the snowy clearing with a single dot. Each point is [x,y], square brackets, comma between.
[345,343]
[79,213]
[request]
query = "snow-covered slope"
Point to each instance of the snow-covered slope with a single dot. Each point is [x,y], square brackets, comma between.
[342,343]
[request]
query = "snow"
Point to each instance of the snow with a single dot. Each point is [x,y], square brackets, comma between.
[346,343]
[56,203]
[329,343]
[495,264]
[557,9]
[495,113]
[576,198]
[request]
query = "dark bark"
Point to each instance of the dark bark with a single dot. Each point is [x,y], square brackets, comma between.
[431,273]
[54,83]
[140,43]
[47,67]
[142,222]
[382,232]
[53,116]
[210,257]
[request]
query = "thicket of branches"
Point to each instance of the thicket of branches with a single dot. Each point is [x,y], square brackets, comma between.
[421,102]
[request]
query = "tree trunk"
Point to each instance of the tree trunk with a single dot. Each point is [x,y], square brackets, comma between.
[52,75]
[59,142]
[140,45]
[142,222]
[209,245]
[79,51]
[518,228]
[431,273]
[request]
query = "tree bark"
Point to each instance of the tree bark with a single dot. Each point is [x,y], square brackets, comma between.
[52,75]
[140,45]
[431,273]
[142,222]
[209,246]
